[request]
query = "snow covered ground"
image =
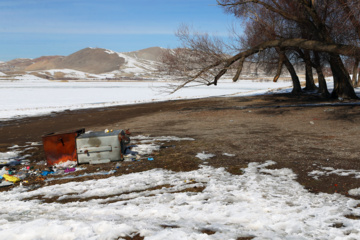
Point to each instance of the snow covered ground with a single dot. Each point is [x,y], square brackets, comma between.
[34,96]
[159,204]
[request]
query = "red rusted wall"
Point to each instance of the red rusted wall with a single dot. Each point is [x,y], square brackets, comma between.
[61,147]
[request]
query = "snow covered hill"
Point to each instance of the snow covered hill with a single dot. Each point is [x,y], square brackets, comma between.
[88,63]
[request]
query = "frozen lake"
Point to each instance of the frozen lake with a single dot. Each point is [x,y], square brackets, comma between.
[35,97]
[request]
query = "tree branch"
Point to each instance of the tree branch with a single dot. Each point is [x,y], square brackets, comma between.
[265,5]
[295,42]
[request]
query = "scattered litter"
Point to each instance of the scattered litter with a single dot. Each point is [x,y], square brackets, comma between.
[69,170]
[63,165]
[11,178]
[40,171]
[311,122]
[10,162]
[45,173]
[22,175]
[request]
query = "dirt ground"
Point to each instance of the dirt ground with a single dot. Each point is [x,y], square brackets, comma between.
[289,130]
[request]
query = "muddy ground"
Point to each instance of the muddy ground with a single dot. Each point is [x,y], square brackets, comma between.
[289,130]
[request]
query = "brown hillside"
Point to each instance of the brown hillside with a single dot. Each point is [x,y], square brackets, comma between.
[92,60]
[44,63]
[18,64]
[152,53]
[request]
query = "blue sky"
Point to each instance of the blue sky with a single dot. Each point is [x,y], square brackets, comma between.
[33,28]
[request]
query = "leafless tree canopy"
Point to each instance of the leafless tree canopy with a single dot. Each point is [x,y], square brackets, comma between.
[279,32]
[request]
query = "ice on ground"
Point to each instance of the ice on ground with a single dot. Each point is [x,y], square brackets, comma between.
[263,203]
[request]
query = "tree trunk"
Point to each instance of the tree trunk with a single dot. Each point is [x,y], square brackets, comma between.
[342,82]
[294,77]
[310,84]
[323,90]
[355,73]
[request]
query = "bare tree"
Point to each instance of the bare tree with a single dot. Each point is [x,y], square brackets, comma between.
[309,26]
[318,19]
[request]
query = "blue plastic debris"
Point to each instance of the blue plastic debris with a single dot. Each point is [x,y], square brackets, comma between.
[45,173]
[151,159]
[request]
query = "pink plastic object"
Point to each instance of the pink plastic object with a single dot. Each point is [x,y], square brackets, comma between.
[70,170]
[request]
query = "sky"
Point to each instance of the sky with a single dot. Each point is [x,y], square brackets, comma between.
[33,28]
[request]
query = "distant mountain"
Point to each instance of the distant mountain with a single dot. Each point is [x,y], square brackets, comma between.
[90,60]
[18,64]
[99,63]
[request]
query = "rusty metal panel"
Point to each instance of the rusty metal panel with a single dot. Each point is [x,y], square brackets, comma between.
[100,147]
[61,147]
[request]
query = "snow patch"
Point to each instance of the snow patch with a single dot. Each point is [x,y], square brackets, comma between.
[229,154]
[30,78]
[204,156]
[73,74]
[354,192]
[326,171]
